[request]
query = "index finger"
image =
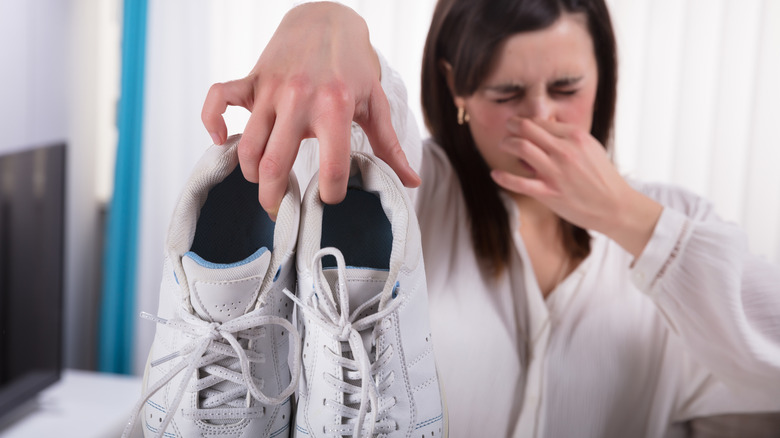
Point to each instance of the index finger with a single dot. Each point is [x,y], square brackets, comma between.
[535,132]
[558,129]
[237,93]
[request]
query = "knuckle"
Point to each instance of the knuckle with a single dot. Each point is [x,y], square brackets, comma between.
[298,88]
[217,91]
[335,93]
[396,149]
[524,146]
[391,148]
[333,172]
[270,168]
[214,98]
[333,102]
[245,152]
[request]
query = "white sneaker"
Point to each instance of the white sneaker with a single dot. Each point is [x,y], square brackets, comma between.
[368,362]
[219,361]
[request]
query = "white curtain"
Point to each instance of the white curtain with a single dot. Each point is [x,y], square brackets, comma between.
[699,101]
[699,98]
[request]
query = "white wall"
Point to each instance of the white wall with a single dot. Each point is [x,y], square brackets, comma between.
[33,43]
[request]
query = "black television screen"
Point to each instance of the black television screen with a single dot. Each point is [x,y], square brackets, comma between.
[32,214]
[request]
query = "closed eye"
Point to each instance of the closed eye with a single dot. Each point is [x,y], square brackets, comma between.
[565,86]
[504,93]
[507,99]
[565,92]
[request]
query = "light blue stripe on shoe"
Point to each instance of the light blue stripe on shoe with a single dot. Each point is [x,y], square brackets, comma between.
[429,421]
[206,264]
[275,434]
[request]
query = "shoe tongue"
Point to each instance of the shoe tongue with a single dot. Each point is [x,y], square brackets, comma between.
[362,284]
[221,292]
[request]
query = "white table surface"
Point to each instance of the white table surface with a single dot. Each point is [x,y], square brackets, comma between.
[82,404]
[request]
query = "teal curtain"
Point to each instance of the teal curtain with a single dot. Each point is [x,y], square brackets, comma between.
[118,314]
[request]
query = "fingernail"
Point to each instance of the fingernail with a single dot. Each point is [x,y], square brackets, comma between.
[273,213]
[215,138]
[415,177]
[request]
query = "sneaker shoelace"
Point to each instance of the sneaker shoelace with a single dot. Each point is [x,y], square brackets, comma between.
[357,383]
[215,349]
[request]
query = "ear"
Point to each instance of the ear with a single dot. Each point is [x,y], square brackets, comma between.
[446,70]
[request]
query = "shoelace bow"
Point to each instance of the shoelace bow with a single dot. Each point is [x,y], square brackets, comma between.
[206,352]
[345,327]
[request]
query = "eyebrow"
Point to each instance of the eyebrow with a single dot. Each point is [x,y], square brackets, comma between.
[566,81]
[507,88]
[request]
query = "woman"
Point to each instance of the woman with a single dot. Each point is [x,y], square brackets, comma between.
[565,301]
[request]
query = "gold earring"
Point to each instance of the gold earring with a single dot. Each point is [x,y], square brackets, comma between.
[463,116]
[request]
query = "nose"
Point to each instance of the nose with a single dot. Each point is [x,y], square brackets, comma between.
[538,107]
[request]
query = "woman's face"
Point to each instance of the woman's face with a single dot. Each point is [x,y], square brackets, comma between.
[547,74]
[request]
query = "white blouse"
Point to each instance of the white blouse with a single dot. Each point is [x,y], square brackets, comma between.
[692,329]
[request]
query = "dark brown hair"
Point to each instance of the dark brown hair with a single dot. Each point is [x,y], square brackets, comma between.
[467,34]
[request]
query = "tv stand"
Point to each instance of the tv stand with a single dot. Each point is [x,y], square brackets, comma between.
[82,404]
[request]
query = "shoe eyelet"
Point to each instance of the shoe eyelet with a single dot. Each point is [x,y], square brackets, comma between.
[395,289]
[278,271]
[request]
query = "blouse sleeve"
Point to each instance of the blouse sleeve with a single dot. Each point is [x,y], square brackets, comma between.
[721,301]
[402,118]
